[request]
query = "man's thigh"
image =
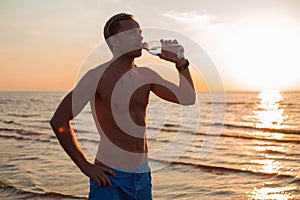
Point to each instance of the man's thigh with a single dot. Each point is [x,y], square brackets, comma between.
[144,194]
[106,193]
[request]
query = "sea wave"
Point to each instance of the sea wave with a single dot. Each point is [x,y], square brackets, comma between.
[167,128]
[22,134]
[272,130]
[220,170]
[234,126]
[27,138]
[264,138]
[241,135]
[21,131]
[10,122]
[226,103]
[23,115]
[8,191]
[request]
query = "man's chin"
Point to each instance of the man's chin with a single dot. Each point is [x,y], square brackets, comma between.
[136,53]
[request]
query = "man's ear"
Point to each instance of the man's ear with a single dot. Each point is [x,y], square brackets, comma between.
[114,42]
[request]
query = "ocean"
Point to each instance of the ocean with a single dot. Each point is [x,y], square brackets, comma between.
[254,153]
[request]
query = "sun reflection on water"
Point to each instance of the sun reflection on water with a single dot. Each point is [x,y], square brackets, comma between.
[268,166]
[269,192]
[268,111]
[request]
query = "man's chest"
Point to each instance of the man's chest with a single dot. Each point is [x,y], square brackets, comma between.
[131,91]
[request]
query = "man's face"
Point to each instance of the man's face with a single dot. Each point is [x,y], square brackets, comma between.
[129,39]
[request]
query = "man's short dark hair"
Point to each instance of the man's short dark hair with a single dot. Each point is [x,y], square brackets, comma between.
[113,25]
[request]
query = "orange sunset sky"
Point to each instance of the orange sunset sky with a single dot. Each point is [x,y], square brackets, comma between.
[254,44]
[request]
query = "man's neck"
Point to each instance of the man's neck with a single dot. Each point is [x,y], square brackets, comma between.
[123,64]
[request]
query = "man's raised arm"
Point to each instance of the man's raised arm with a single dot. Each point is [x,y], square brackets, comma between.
[183,94]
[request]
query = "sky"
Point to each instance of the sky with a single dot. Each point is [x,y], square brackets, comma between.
[254,44]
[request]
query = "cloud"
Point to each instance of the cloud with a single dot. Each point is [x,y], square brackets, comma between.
[198,20]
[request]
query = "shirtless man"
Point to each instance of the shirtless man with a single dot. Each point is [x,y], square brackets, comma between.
[118,92]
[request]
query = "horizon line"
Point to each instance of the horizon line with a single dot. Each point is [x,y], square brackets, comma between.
[238,90]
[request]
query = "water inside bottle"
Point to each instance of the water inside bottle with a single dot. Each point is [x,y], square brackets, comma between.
[154,47]
[155,50]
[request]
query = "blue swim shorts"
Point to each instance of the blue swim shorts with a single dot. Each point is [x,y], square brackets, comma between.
[126,185]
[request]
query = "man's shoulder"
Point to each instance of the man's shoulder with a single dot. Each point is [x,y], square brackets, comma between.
[96,71]
[92,76]
[99,68]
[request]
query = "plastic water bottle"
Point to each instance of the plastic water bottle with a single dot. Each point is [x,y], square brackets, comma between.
[154,47]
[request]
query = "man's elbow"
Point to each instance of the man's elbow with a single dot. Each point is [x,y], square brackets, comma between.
[188,101]
[58,127]
[192,102]
[53,124]
[56,124]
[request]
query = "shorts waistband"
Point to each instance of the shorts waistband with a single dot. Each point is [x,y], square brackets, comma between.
[144,168]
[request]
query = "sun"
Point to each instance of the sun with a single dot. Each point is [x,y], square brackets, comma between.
[263,53]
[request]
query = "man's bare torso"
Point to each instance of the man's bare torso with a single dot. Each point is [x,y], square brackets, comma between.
[120,107]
